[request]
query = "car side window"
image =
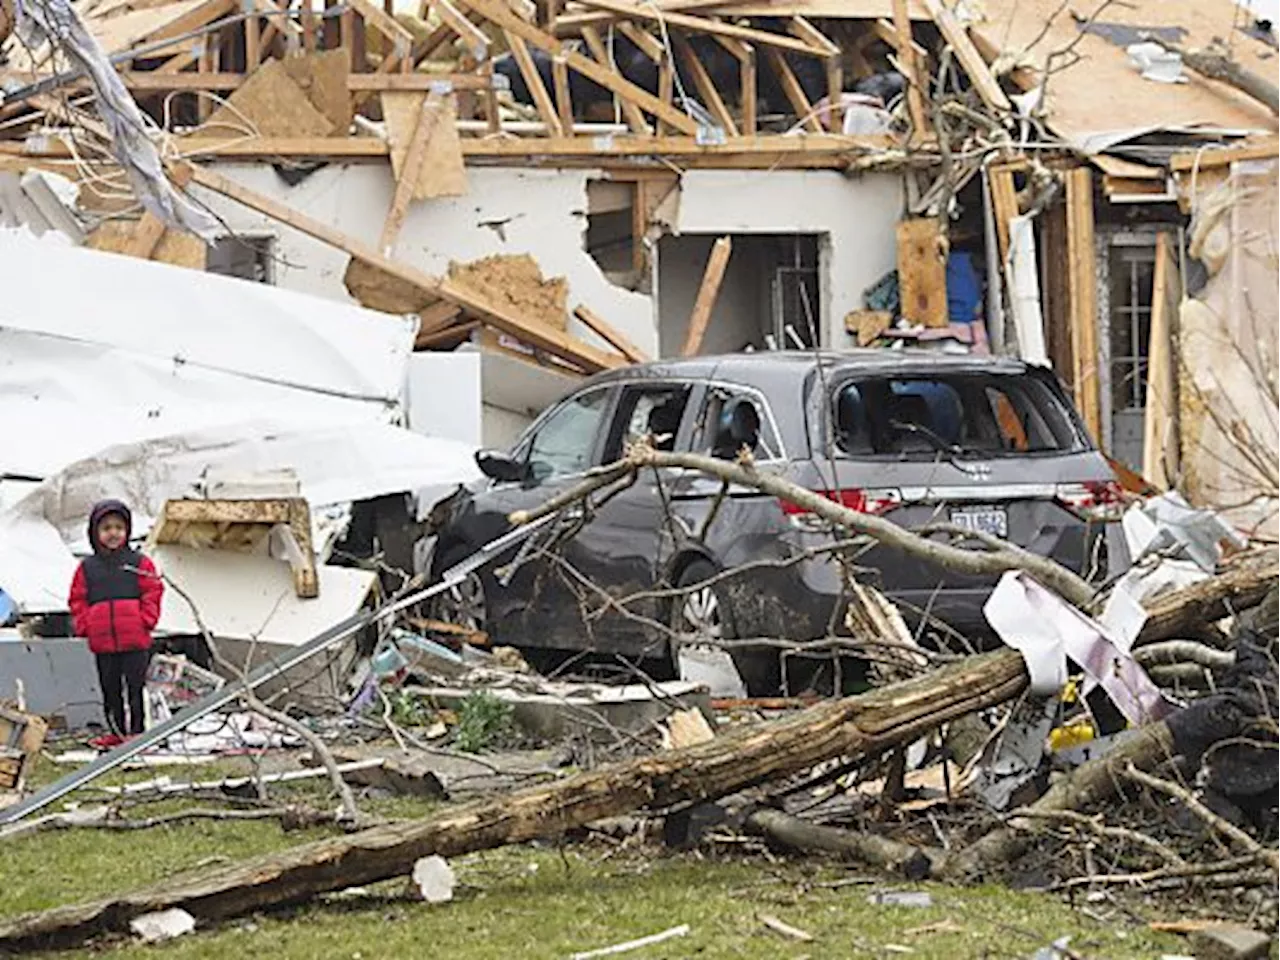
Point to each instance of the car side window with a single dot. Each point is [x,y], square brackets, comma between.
[564,443]
[768,448]
[650,411]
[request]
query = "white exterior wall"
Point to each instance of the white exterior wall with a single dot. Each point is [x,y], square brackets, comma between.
[544,213]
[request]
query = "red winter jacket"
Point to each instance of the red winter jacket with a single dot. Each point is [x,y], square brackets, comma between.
[115,594]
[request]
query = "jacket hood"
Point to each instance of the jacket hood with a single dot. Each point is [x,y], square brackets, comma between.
[100,510]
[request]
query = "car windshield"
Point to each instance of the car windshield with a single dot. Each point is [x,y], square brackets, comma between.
[978,414]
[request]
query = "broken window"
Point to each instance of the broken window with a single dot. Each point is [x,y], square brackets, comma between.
[920,417]
[642,412]
[249,258]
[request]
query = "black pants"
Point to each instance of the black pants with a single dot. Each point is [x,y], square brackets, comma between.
[117,673]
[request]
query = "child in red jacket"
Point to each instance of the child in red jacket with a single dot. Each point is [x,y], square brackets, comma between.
[115,604]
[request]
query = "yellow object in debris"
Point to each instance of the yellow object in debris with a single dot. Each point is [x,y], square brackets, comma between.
[1070,691]
[1072,735]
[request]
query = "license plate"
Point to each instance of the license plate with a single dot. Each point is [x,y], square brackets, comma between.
[992,520]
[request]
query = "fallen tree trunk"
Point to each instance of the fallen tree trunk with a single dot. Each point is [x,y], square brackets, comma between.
[857,726]
[909,861]
[1091,783]
[1242,584]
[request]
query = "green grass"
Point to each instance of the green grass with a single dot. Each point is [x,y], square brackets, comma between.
[536,901]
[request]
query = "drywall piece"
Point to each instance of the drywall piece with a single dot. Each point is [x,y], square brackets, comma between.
[177,249]
[59,678]
[1024,286]
[269,104]
[922,271]
[246,597]
[443,172]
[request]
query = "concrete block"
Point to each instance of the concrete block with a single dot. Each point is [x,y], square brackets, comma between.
[1230,943]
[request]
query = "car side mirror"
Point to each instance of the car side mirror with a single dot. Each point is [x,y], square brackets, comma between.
[501,467]
[738,427]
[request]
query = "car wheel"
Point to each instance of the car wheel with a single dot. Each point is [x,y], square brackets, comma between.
[706,612]
[463,604]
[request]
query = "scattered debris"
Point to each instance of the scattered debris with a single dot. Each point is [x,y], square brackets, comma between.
[680,931]
[162,925]
[785,929]
[1230,943]
[434,879]
[901,898]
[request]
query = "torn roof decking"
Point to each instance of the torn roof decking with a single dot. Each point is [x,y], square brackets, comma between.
[1102,92]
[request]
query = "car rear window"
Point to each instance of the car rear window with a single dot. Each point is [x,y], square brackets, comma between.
[985,415]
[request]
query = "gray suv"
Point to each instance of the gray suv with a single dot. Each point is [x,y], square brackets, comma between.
[990,444]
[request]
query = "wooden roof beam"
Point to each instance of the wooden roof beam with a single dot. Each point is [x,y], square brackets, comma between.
[683,21]
[706,87]
[630,112]
[794,92]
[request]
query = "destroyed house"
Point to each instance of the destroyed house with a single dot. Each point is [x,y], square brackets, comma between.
[566,187]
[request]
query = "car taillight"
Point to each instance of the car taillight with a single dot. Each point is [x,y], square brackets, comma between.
[863,501]
[1093,499]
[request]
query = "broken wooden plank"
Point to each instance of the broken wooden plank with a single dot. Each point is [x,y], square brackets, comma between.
[429,119]
[1211,157]
[922,271]
[957,35]
[610,334]
[435,318]
[1082,281]
[706,299]
[475,38]
[564,99]
[147,234]
[442,172]
[851,728]
[533,80]
[806,31]
[1160,417]
[706,87]
[794,92]
[1004,206]
[910,69]
[553,341]
[418,82]
[747,93]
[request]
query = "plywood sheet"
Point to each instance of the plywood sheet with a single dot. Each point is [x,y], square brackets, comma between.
[1101,92]
[273,103]
[323,78]
[179,249]
[444,173]
[922,271]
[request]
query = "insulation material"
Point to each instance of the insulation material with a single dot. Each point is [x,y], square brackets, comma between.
[130,132]
[269,104]
[1228,376]
[137,349]
[444,172]
[515,283]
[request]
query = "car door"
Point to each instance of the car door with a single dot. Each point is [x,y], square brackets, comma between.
[619,548]
[559,448]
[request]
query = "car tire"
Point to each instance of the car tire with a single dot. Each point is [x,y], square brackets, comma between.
[708,612]
[466,604]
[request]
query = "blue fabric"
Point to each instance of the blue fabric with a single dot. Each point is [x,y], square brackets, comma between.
[7,608]
[964,289]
